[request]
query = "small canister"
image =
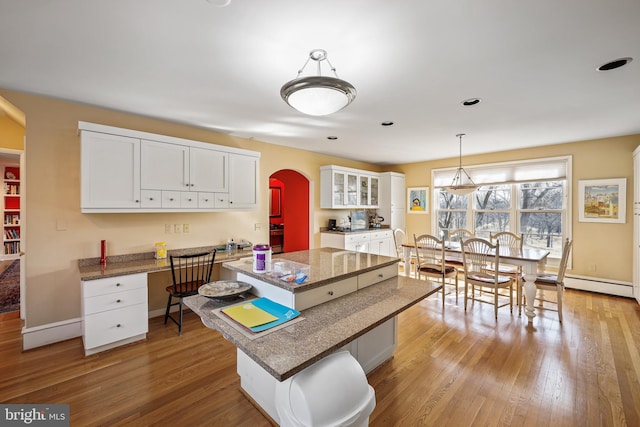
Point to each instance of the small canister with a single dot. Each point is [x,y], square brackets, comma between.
[261,258]
[161,250]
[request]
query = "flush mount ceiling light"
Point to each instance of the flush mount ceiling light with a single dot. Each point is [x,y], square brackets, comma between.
[459,185]
[318,95]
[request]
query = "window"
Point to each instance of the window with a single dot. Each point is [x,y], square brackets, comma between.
[527,204]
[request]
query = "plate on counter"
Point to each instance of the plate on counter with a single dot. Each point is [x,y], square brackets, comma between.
[224,289]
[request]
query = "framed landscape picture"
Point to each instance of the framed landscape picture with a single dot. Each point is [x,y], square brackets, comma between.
[418,200]
[602,200]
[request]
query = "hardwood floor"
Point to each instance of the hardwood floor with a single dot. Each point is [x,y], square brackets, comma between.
[450,368]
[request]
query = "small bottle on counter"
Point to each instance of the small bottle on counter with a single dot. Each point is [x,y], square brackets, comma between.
[161,250]
[261,258]
[231,247]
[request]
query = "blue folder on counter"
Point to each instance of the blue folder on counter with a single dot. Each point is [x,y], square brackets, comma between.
[283,313]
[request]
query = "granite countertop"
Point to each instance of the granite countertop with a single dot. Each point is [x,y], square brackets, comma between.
[326,265]
[369,230]
[324,329]
[144,262]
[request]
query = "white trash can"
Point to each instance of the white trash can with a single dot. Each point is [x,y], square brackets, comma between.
[332,392]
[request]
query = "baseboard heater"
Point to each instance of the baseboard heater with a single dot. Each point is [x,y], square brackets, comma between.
[600,285]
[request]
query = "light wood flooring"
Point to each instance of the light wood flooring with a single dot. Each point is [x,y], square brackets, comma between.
[450,369]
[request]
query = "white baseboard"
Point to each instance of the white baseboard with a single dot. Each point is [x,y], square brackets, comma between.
[600,285]
[51,333]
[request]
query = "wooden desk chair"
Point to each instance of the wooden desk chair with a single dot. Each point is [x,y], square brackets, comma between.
[481,268]
[189,272]
[430,261]
[511,240]
[554,282]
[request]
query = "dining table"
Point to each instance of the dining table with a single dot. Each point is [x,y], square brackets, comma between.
[531,260]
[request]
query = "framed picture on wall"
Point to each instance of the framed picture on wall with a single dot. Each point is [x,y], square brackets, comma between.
[602,200]
[418,200]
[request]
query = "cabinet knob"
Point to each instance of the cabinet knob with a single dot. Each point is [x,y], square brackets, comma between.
[206,200]
[381,275]
[150,198]
[189,200]
[137,201]
[330,292]
[119,301]
[117,284]
[171,199]
[191,185]
[118,325]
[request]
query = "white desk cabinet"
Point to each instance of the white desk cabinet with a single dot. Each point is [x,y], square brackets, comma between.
[114,311]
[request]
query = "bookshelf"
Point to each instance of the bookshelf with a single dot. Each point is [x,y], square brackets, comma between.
[11,214]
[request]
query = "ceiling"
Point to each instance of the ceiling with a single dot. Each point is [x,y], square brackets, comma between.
[533,65]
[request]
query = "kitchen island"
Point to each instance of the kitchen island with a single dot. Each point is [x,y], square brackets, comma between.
[350,301]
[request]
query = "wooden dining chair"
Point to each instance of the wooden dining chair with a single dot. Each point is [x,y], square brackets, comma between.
[430,261]
[189,272]
[511,240]
[457,236]
[554,282]
[481,269]
[400,237]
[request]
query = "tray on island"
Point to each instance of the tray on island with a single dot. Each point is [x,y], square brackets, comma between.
[224,289]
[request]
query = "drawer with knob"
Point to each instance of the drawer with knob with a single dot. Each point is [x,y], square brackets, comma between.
[114,325]
[115,300]
[91,288]
[376,276]
[322,294]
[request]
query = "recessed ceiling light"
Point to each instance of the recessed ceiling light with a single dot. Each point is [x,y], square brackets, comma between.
[388,123]
[471,101]
[616,63]
[332,138]
[219,3]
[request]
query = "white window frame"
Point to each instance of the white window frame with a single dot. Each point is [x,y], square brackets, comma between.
[514,212]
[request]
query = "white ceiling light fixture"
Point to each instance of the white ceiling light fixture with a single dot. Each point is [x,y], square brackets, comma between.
[459,185]
[318,95]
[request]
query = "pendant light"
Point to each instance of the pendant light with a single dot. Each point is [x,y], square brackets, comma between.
[318,95]
[458,185]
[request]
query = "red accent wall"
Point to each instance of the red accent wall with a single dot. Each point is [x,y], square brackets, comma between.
[295,209]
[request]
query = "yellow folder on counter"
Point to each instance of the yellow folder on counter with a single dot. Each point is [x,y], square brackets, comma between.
[249,315]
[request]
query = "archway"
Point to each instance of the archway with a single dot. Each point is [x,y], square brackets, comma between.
[290,223]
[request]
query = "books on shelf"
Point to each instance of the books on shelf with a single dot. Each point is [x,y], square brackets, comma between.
[12,234]
[11,189]
[260,314]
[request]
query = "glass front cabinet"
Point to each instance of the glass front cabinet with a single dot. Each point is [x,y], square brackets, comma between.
[345,188]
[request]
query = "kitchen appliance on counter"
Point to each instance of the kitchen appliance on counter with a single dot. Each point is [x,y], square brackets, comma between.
[359,220]
[332,224]
[375,221]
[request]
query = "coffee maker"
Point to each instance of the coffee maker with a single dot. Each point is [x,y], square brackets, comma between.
[332,224]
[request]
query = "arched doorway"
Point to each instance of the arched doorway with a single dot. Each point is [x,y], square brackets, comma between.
[289,213]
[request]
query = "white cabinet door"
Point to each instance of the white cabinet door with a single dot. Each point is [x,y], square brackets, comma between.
[243,180]
[164,166]
[208,170]
[110,171]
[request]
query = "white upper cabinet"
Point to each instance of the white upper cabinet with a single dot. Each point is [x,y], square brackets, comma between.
[343,188]
[243,174]
[110,175]
[130,171]
[164,166]
[209,170]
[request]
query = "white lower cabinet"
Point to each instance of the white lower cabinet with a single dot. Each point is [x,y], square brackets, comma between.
[378,242]
[114,311]
[376,346]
